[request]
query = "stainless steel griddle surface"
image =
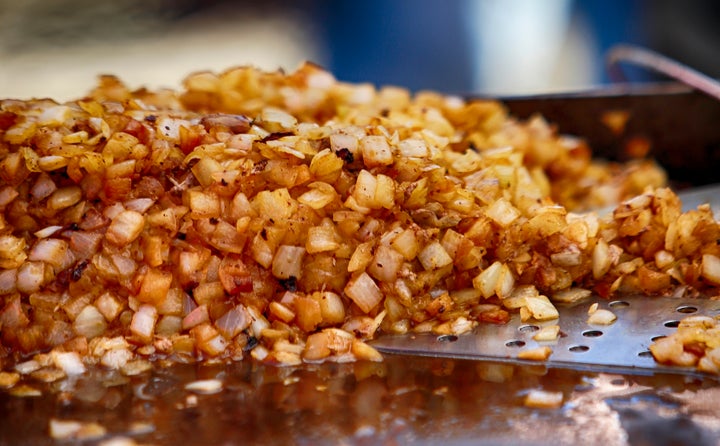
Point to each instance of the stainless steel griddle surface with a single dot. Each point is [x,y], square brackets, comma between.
[404,400]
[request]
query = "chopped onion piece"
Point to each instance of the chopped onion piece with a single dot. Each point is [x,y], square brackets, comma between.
[85,244]
[602,317]
[30,277]
[502,212]
[547,333]
[536,354]
[64,198]
[541,308]
[51,250]
[8,281]
[205,169]
[259,353]
[116,358]
[376,151]
[196,317]
[277,120]
[601,261]
[288,262]
[387,262]
[332,308]
[364,292]
[27,367]
[140,205]
[316,347]
[143,322]
[234,321]
[155,286]
[363,351]
[108,305]
[125,227]
[90,322]
[54,115]
[280,311]
[434,256]
[48,231]
[486,281]
[12,251]
[308,313]
[215,345]
[68,362]
[44,186]
[325,166]
[7,195]
[711,268]
[259,323]
[571,295]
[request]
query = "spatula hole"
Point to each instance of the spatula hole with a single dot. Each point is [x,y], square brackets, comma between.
[645,354]
[592,333]
[447,338]
[686,309]
[657,338]
[579,348]
[515,343]
[528,328]
[672,324]
[617,304]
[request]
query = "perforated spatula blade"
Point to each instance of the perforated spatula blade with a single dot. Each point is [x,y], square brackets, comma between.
[621,347]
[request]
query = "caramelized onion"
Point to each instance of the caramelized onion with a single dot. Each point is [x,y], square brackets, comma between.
[233,322]
[290,214]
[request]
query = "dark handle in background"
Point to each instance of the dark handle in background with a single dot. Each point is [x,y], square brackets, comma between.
[680,120]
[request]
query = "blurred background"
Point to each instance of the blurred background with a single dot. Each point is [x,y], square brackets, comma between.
[57,48]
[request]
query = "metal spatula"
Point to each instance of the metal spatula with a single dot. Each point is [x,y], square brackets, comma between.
[621,347]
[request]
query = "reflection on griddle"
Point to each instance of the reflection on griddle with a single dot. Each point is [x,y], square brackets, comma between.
[399,401]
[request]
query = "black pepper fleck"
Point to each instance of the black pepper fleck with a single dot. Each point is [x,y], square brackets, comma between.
[78,270]
[346,155]
[252,342]
[289,284]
